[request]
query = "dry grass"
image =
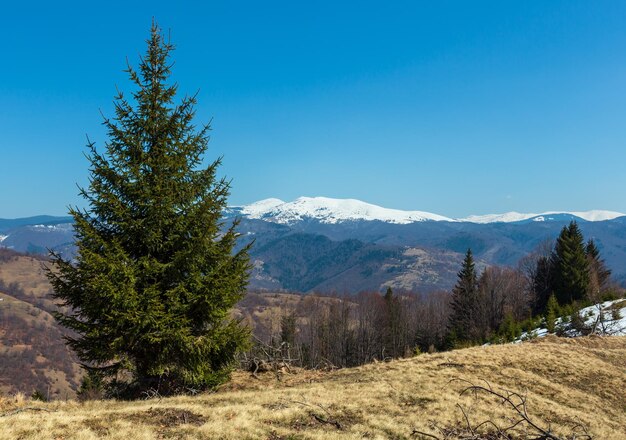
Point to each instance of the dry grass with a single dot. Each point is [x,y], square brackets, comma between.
[28,272]
[566,381]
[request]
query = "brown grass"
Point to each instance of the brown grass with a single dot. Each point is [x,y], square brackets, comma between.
[565,380]
[28,272]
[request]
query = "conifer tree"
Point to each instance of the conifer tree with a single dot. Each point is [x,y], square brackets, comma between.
[552,312]
[542,283]
[462,325]
[155,276]
[570,265]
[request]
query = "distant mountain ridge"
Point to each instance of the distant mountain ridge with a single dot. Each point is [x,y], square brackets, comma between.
[331,211]
[324,245]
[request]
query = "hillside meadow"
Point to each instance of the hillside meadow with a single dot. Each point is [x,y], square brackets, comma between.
[568,384]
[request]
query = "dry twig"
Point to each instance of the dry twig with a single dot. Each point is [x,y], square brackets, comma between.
[514,401]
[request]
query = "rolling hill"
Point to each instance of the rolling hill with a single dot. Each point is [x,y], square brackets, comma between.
[569,386]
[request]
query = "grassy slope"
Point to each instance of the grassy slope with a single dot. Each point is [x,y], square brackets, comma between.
[565,380]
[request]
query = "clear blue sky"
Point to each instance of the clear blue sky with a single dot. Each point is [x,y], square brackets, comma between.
[450,107]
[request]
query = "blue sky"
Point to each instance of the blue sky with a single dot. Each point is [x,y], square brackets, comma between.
[455,108]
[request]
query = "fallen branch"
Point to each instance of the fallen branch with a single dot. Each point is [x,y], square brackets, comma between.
[328,421]
[514,401]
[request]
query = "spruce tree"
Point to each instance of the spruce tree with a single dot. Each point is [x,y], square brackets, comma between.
[149,292]
[542,284]
[570,266]
[462,324]
[552,312]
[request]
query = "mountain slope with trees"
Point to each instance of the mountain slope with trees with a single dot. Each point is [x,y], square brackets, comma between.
[440,244]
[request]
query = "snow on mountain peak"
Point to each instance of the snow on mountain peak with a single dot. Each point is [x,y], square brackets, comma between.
[596,215]
[331,211]
[509,217]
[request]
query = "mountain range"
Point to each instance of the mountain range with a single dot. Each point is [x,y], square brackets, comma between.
[345,245]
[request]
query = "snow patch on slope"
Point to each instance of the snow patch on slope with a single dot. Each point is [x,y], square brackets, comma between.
[607,318]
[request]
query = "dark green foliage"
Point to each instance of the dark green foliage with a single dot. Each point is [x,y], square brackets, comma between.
[388,295]
[155,275]
[542,284]
[577,323]
[464,303]
[552,312]
[570,266]
[91,387]
[574,273]
[38,396]
[509,329]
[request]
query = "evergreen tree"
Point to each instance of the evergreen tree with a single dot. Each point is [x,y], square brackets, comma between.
[552,312]
[542,284]
[570,266]
[156,275]
[462,325]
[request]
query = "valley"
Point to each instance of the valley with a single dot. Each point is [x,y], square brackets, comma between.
[346,246]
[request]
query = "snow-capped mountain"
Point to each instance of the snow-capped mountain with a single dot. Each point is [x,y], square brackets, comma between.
[331,211]
[511,217]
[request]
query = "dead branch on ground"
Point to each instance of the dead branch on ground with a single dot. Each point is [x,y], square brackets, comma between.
[520,426]
[328,420]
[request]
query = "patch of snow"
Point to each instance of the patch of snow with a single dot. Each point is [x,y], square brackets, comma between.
[50,228]
[607,318]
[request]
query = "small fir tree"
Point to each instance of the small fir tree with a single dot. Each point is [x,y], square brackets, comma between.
[462,325]
[542,284]
[552,312]
[570,266]
[149,293]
